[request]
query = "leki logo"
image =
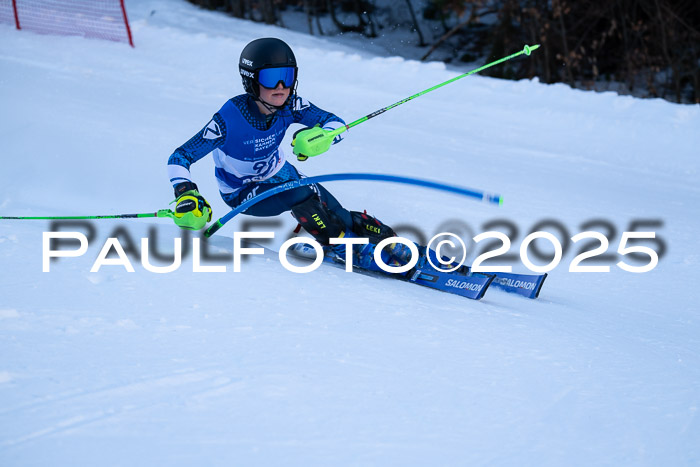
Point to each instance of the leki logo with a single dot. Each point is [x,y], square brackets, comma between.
[318,220]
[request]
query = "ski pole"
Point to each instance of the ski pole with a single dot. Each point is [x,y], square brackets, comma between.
[470,193]
[526,50]
[160,213]
[318,140]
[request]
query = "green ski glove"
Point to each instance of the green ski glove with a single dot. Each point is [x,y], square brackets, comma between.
[311,142]
[192,211]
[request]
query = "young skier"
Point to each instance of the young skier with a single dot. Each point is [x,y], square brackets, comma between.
[244,137]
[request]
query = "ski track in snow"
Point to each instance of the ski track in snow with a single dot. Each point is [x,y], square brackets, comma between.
[269,367]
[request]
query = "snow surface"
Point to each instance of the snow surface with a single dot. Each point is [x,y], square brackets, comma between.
[267,367]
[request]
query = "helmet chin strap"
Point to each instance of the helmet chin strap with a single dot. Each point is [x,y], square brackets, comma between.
[274,108]
[270,107]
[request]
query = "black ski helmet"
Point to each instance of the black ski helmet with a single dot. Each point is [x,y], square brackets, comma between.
[268,52]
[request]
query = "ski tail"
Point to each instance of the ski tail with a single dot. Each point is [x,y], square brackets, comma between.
[527,285]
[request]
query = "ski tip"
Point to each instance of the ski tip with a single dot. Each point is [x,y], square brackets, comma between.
[500,200]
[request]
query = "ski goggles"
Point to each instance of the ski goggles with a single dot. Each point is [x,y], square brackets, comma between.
[271,77]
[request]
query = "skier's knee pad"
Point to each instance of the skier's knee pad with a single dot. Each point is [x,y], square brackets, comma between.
[315,217]
[365,225]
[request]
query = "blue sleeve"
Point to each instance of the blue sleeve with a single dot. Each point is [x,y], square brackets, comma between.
[308,114]
[212,136]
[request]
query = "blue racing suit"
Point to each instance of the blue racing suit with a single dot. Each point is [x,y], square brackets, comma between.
[248,158]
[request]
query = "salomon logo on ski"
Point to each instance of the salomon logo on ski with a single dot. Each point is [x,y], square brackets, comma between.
[515,283]
[464,285]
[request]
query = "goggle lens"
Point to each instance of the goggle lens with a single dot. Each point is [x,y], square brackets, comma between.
[271,77]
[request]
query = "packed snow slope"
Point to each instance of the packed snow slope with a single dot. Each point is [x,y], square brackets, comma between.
[268,367]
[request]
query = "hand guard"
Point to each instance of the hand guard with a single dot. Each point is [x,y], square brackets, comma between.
[311,142]
[192,211]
